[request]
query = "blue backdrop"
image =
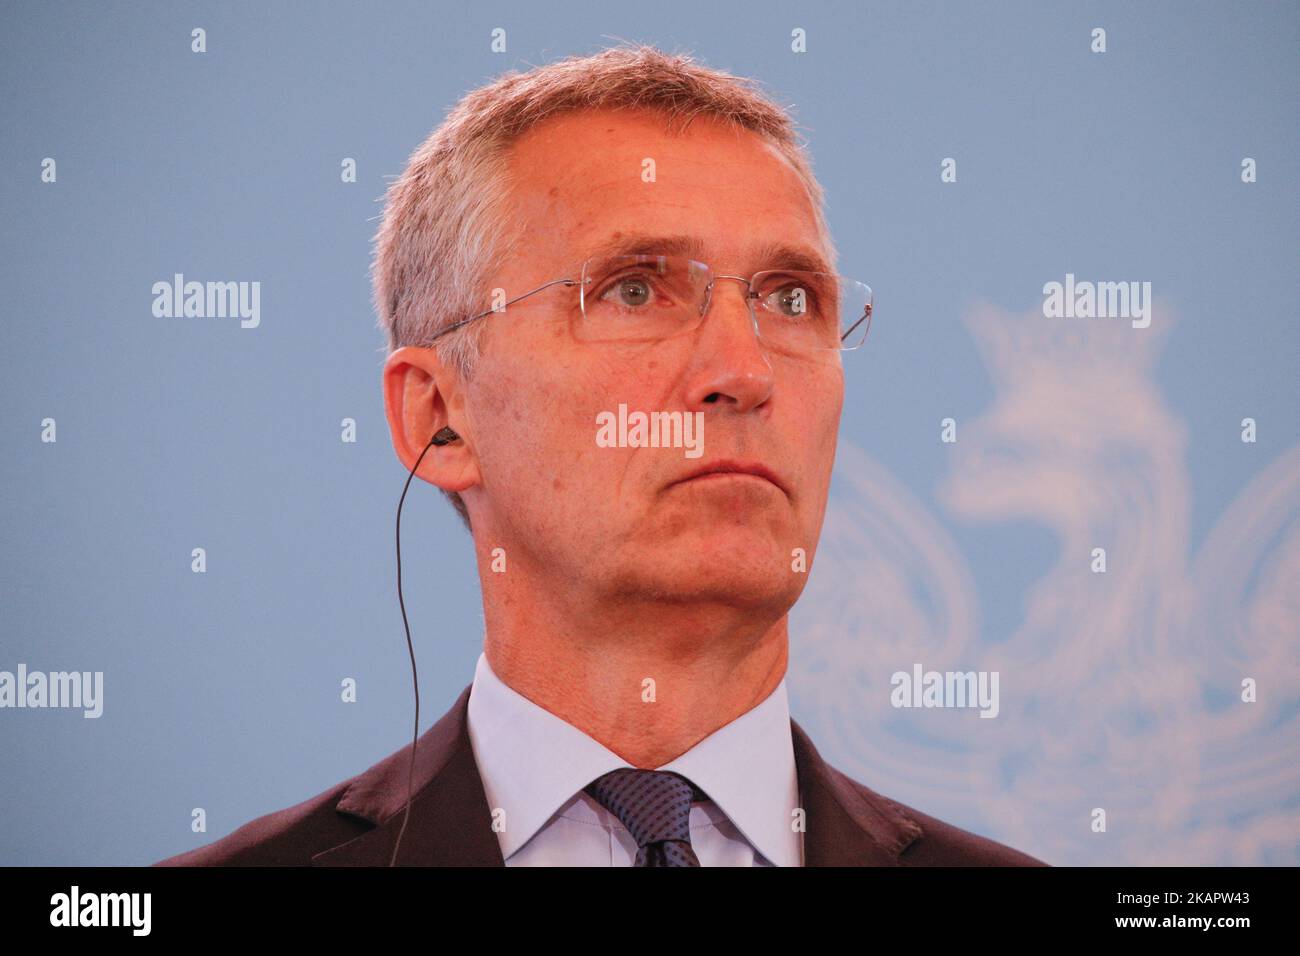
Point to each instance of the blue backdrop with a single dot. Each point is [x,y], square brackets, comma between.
[222,690]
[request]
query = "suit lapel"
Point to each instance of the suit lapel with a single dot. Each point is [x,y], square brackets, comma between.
[847,823]
[450,823]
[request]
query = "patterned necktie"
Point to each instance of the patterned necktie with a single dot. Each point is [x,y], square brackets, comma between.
[655,806]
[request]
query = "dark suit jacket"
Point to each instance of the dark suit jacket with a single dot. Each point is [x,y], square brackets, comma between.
[356,822]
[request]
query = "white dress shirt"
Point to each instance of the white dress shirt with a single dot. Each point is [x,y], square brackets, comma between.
[534,767]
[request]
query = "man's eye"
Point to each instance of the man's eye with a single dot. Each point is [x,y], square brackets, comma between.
[631,291]
[794,301]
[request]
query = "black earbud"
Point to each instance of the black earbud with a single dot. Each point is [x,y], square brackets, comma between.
[444,436]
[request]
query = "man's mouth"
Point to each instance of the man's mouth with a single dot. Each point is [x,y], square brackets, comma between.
[735,469]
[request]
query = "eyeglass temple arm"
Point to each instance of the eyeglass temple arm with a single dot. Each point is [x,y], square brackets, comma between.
[455,325]
[866,314]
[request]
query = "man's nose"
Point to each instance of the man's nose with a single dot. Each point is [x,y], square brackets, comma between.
[728,304]
[728,344]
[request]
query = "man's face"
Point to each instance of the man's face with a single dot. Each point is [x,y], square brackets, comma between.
[618,521]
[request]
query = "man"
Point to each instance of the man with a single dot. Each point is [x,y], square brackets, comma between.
[579,241]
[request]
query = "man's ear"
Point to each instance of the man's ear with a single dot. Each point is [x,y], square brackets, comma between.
[419,393]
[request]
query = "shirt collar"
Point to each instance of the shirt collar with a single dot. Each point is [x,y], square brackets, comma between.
[746,767]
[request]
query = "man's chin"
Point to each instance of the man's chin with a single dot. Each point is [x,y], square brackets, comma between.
[723,559]
[763,594]
[765,536]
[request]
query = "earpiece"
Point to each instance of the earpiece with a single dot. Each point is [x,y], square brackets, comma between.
[444,436]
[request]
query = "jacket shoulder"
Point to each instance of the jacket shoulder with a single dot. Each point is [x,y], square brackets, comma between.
[943,844]
[347,810]
[288,837]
